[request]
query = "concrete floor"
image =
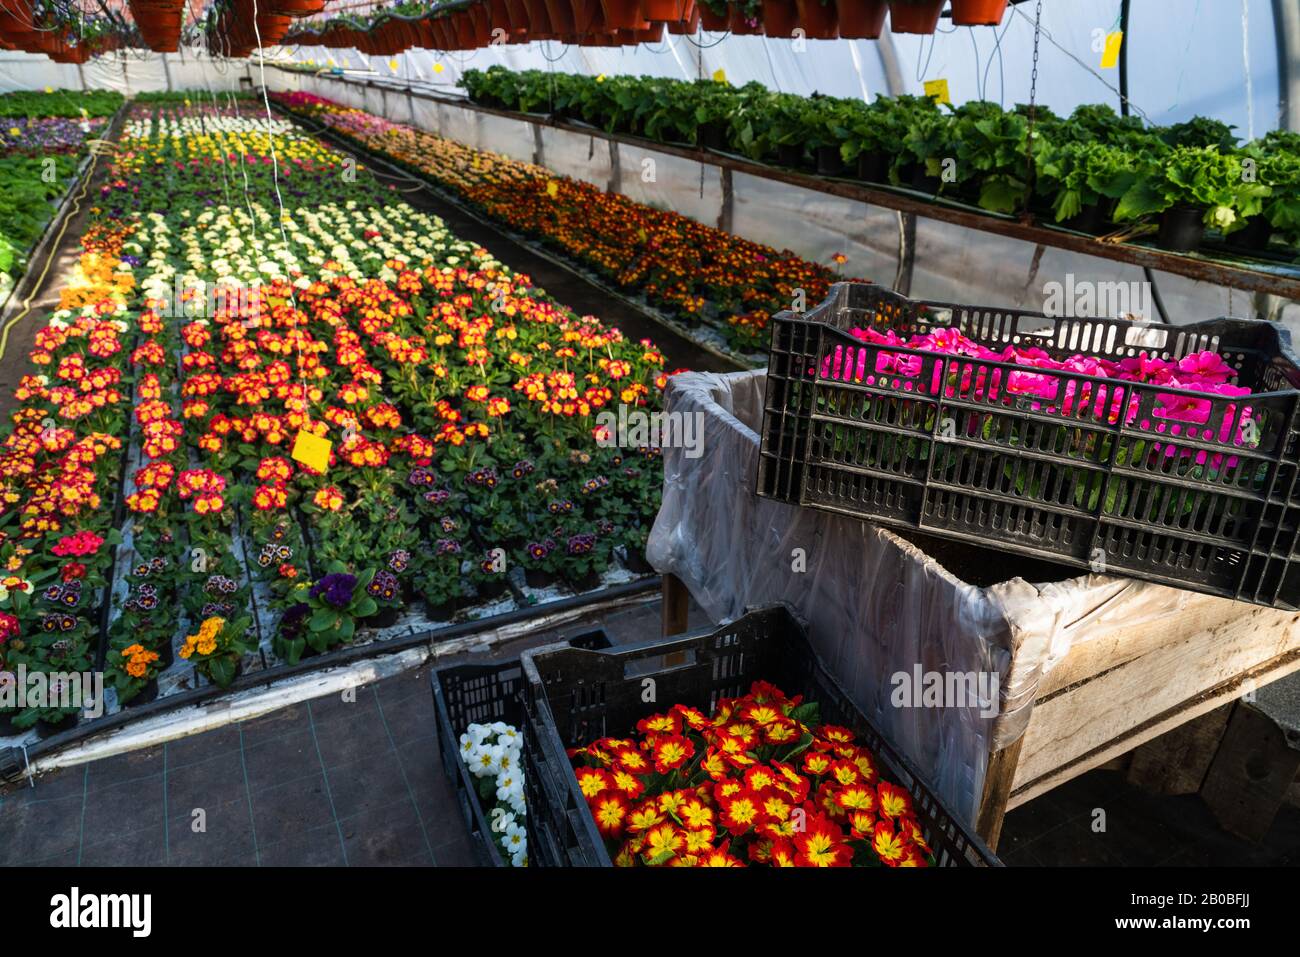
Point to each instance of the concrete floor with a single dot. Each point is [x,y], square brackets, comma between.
[334,782]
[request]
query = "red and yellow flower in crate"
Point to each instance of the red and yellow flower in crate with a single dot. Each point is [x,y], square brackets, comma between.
[761,781]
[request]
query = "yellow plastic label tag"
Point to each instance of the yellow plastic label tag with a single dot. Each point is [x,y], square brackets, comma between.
[720,76]
[438,68]
[552,189]
[312,451]
[49,89]
[392,64]
[938,90]
[1110,55]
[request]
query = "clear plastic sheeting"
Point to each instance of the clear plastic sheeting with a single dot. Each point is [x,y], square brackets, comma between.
[670,182]
[127,72]
[882,614]
[817,226]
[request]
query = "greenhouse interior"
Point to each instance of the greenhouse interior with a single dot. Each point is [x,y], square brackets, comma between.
[636,433]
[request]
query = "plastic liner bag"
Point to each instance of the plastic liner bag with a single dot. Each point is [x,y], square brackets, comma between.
[887,619]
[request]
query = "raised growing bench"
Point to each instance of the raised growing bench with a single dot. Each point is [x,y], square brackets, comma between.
[1089,667]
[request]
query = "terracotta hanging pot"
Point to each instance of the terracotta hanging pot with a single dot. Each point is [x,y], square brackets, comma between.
[623,15]
[652,34]
[780,17]
[817,19]
[668,11]
[914,16]
[561,13]
[539,20]
[498,15]
[297,8]
[464,27]
[713,22]
[478,16]
[741,27]
[978,13]
[518,14]
[688,27]
[861,19]
[588,17]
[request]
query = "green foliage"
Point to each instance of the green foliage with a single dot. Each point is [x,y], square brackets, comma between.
[1092,155]
[67,103]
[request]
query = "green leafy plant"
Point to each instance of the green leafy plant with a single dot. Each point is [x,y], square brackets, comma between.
[1202,177]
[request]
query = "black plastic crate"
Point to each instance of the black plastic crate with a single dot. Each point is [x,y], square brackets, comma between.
[481,694]
[573,697]
[945,447]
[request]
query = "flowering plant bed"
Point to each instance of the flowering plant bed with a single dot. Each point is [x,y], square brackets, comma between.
[1114,445]
[760,759]
[153,469]
[693,272]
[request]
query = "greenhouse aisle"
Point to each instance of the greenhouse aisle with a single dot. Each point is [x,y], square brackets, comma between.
[328,782]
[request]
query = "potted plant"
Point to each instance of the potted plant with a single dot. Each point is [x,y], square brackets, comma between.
[1191,188]
[338,600]
[978,13]
[623,15]
[743,18]
[914,16]
[216,648]
[133,671]
[817,17]
[780,18]
[714,15]
[861,19]
[1083,181]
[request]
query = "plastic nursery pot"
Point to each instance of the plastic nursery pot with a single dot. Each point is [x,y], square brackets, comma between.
[914,16]
[651,34]
[873,167]
[713,22]
[978,13]
[498,15]
[780,18]
[588,582]
[690,26]
[539,20]
[1094,218]
[623,15]
[741,27]
[829,161]
[588,17]
[1182,228]
[47,729]
[818,19]
[1254,236]
[913,176]
[861,19]
[517,12]
[146,694]
[482,24]
[537,578]
[711,135]
[385,618]
[561,12]
[464,27]
[791,155]
[491,591]
[669,11]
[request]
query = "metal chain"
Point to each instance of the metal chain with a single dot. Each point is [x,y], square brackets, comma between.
[1033,110]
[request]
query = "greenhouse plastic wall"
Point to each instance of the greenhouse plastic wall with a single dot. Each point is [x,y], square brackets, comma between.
[951,263]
